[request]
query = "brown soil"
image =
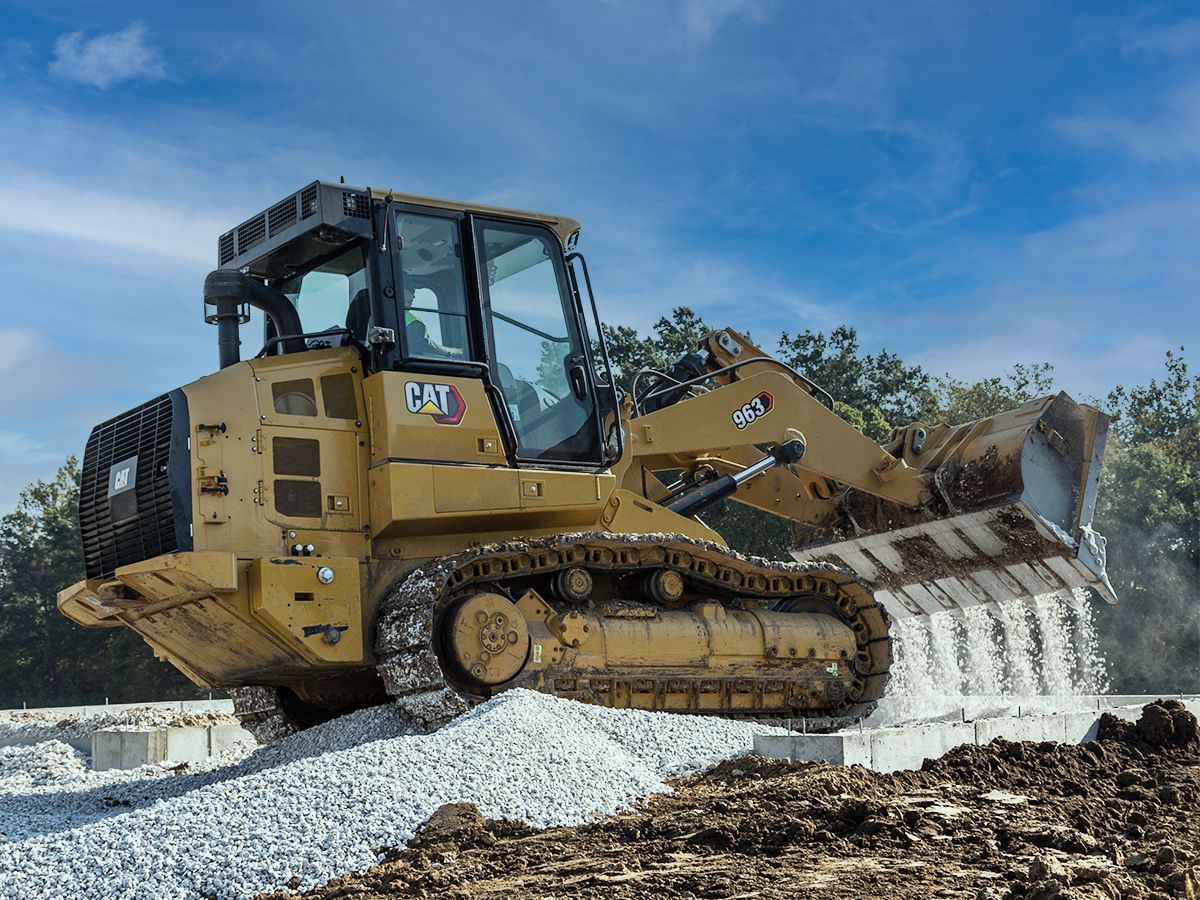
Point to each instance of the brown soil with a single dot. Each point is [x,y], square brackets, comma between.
[1115,818]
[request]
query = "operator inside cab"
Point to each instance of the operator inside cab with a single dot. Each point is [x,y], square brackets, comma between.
[434,291]
[417,332]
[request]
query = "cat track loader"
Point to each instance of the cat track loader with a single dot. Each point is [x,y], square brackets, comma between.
[426,485]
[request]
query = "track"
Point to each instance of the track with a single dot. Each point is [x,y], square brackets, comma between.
[412,664]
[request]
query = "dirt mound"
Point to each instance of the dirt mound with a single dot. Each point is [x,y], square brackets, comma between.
[1114,818]
[1163,723]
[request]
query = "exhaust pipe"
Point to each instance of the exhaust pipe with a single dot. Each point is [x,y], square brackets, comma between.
[230,293]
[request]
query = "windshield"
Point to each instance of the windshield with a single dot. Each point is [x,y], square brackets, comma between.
[332,295]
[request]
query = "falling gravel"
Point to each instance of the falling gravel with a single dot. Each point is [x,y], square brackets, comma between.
[332,799]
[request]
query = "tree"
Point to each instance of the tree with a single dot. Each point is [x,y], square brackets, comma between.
[955,402]
[872,391]
[630,352]
[48,660]
[1149,509]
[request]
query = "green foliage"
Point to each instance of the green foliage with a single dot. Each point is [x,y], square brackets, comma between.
[1149,509]
[630,352]
[955,402]
[552,373]
[49,660]
[878,387]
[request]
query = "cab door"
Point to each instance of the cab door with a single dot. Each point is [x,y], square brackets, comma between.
[536,349]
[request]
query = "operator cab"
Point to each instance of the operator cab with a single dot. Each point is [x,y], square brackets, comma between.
[431,286]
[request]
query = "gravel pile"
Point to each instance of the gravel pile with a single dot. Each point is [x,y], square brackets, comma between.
[39,725]
[38,765]
[329,800]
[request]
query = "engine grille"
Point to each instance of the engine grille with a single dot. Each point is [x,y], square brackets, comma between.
[135,494]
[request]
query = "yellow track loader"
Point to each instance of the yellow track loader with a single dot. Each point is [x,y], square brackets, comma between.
[427,485]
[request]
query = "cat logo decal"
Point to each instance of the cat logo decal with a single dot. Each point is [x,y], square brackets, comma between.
[442,402]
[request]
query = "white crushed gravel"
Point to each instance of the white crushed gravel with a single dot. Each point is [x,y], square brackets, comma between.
[326,801]
[35,725]
[38,765]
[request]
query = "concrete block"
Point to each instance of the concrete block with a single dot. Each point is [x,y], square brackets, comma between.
[222,737]
[848,748]
[106,750]
[112,749]
[187,744]
[1024,728]
[1080,727]
[893,749]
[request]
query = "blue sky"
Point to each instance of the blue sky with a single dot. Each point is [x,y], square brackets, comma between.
[971,185]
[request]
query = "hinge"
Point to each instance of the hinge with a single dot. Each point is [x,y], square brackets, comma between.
[260,494]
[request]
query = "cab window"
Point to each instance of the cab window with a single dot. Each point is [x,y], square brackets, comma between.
[538,357]
[332,295]
[434,307]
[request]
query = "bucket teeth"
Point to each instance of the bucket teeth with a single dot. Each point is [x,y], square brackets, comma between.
[990,556]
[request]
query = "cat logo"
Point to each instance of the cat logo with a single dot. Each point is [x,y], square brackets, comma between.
[441,401]
[122,477]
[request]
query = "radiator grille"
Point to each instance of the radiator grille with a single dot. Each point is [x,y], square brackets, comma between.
[225,248]
[308,201]
[251,233]
[149,518]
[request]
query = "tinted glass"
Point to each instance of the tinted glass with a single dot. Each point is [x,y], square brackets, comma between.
[333,295]
[537,345]
[434,292]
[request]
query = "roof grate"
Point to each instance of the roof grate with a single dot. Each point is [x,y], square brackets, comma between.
[356,205]
[281,216]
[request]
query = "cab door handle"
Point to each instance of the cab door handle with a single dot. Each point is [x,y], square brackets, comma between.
[578,379]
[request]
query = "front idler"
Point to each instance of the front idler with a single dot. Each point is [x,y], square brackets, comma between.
[486,639]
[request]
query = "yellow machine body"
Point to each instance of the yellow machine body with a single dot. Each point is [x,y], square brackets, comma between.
[316,485]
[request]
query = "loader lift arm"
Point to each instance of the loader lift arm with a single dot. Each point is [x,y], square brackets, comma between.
[705,433]
[941,517]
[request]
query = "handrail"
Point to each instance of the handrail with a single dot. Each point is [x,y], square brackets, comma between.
[612,382]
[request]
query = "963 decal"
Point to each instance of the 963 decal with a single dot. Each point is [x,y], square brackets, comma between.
[754,410]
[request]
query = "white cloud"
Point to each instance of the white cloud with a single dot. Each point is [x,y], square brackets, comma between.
[1180,37]
[1170,134]
[702,18]
[147,224]
[106,59]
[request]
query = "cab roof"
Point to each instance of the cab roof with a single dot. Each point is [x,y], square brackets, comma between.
[563,226]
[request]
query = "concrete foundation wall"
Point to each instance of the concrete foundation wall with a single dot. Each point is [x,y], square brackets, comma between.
[908,746]
[119,749]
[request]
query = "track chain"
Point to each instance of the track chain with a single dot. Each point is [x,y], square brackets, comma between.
[405,643]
